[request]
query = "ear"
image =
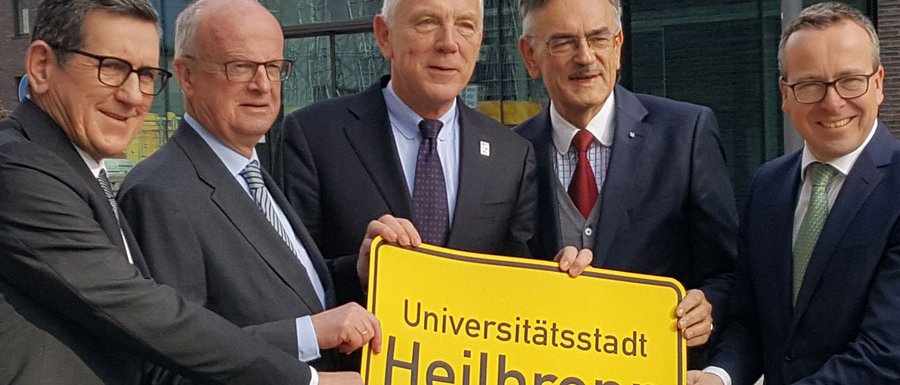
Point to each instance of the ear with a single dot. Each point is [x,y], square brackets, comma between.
[785,106]
[182,69]
[40,62]
[879,85]
[620,40]
[382,36]
[527,52]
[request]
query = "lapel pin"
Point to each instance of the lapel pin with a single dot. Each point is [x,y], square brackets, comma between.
[631,134]
[485,148]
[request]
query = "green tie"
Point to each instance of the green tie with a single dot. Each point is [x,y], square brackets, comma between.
[821,176]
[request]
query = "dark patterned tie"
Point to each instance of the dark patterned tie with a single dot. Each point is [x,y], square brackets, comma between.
[107,190]
[431,215]
[583,188]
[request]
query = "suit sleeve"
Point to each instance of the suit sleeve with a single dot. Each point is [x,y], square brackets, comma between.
[873,357]
[54,249]
[299,181]
[522,223]
[175,254]
[712,216]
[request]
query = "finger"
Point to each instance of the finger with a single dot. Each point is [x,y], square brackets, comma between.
[413,235]
[697,341]
[377,227]
[693,298]
[565,257]
[582,261]
[375,342]
[698,333]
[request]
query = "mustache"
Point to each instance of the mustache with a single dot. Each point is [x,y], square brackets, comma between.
[585,70]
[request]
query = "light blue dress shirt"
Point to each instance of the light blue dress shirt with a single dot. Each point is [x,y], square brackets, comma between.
[307,344]
[405,125]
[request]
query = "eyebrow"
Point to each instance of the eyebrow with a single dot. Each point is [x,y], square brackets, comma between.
[593,32]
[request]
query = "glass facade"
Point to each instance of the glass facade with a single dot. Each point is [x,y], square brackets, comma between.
[718,53]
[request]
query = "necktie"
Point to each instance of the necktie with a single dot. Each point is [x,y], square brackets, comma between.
[107,190]
[821,176]
[431,214]
[263,199]
[583,188]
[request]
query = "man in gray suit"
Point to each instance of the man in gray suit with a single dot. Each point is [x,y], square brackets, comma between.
[76,306]
[211,222]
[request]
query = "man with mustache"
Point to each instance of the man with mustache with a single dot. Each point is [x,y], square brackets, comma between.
[638,180]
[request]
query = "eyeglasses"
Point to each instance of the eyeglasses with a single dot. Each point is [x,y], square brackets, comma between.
[242,71]
[568,46]
[847,87]
[114,72]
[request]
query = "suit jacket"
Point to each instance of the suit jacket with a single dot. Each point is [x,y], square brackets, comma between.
[72,309]
[844,327]
[666,208]
[340,169]
[202,234]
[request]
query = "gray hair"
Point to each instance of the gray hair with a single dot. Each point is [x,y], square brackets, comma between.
[389,6]
[823,15]
[527,7]
[186,27]
[60,23]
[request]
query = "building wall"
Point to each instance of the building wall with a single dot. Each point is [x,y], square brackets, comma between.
[889,33]
[12,52]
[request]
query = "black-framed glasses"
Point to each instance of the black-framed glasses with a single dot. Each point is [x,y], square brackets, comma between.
[569,45]
[114,72]
[847,87]
[242,71]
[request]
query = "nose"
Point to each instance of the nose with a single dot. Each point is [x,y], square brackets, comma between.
[832,102]
[260,81]
[130,91]
[584,54]
[446,41]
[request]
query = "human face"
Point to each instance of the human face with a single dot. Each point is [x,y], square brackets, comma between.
[579,83]
[237,113]
[433,46]
[835,126]
[98,118]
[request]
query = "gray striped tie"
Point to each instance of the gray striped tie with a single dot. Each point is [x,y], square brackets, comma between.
[253,176]
[107,190]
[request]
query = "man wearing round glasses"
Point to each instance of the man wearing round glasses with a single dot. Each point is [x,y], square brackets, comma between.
[639,181]
[817,291]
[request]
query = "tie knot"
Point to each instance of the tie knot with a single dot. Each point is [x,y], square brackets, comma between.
[821,174]
[430,128]
[582,140]
[253,175]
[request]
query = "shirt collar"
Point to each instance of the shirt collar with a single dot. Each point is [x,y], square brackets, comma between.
[842,164]
[92,164]
[601,125]
[233,161]
[406,121]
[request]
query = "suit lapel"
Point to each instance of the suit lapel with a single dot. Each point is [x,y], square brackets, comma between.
[777,216]
[624,164]
[861,181]
[474,169]
[540,131]
[369,132]
[41,129]
[245,216]
[303,235]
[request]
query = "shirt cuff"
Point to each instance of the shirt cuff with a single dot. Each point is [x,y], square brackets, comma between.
[313,376]
[719,372]
[307,343]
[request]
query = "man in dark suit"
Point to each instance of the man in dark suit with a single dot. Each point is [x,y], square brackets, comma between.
[347,161]
[76,306]
[649,192]
[817,297]
[211,223]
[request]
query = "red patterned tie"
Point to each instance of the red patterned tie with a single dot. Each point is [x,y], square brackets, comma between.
[583,188]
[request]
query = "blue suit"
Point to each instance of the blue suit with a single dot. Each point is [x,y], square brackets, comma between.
[666,208]
[845,327]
